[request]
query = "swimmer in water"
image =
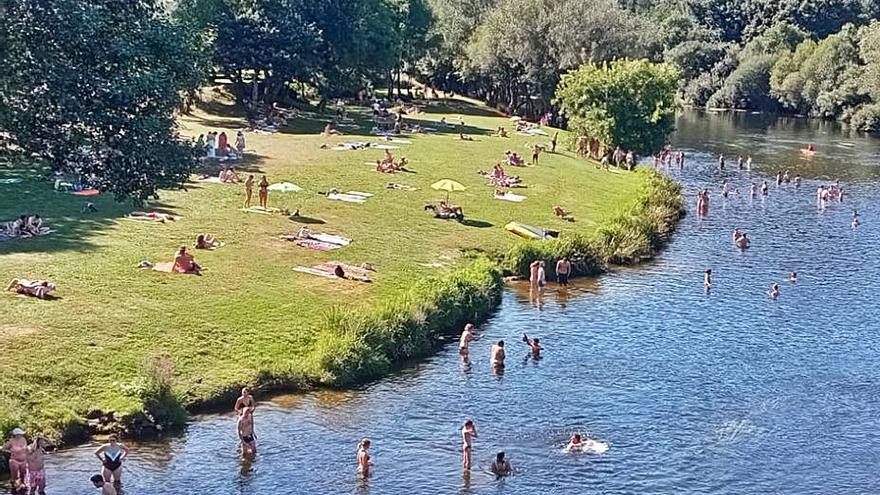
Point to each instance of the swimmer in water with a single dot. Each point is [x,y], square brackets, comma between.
[500,466]
[496,355]
[721,162]
[774,291]
[797,180]
[467,335]
[707,280]
[575,443]
[111,455]
[739,162]
[105,487]
[793,277]
[245,400]
[753,190]
[856,218]
[765,188]
[749,163]
[468,433]
[363,458]
[725,189]
[534,346]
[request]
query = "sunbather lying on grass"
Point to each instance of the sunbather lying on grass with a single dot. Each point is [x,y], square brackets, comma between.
[559,212]
[152,215]
[35,288]
[207,241]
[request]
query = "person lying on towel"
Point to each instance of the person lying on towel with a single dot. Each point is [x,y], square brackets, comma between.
[35,288]
[207,241]
[185,263]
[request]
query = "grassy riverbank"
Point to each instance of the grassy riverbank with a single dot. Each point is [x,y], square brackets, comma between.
[252,320]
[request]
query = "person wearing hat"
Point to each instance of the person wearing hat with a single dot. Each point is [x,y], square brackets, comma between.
[17,447]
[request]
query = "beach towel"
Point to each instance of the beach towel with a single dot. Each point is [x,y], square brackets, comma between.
[11,180]
[316,244]
[164,267]
[330,238]
[358,193]
[516,198]
[316,272]
[261,210]
[285,187]
[384,146]
[348,198]
[351,271]
[210,180]
[86,192]
[161,218]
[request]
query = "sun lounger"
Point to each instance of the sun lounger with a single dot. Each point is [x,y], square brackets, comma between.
[515,198]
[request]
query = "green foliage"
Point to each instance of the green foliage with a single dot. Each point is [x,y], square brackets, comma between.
[629,103]
[748,86]
[91,87]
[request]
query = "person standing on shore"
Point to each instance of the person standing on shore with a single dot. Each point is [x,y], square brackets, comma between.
[553,142]
[17,447]
[563,271]
[536,152]
[468,433]
[264,192]
[467,335]
[496,356]
[249,191]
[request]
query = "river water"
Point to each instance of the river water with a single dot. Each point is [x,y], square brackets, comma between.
[727,392]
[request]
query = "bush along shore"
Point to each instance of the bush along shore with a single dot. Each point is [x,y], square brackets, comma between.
[356,346]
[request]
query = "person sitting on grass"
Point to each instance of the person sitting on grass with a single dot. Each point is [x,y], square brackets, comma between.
[229,176]
[185,263]
[330,131]
[207,241]
[36,288]
[33,225]
[463,137]
[561,213]
[501,132]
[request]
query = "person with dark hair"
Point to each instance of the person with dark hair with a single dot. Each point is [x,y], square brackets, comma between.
[497,355]
[111,455]
[468,432]
[105,487]
[501,466]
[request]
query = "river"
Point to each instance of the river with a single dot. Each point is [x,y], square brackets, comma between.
[722,393]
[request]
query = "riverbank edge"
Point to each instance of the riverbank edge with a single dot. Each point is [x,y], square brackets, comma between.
[357,346]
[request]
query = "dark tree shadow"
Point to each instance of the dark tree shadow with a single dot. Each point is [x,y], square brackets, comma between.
[462,107]
[248,164]
[479,224]
[308,220]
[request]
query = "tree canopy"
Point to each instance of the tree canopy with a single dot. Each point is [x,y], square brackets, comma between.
[628,103]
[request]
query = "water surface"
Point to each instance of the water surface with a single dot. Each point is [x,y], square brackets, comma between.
[722,393]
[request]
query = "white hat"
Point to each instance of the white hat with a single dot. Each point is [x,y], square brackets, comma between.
[17,431]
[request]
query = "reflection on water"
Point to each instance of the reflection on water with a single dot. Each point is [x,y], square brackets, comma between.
[722,393]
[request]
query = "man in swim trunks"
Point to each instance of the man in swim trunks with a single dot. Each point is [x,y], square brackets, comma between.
[497,355]
[245,400]
[111,455]
[36,467]
[563,270]
[17,447]
[468,432]
[246,433]
[467,335]
[248,191]
[105,487]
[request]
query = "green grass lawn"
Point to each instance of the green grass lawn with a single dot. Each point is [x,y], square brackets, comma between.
[250,313]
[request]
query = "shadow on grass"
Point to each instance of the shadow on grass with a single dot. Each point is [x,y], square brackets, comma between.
[248,164]
[308,220]
[462,107]
[478,224]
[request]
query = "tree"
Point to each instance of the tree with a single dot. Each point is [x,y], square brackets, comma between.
[90,87]
[628,103]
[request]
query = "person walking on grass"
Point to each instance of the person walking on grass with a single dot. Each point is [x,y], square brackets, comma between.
[264,192]
[536,151]
[249,191]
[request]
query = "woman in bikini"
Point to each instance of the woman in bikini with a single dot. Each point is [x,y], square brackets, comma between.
[249,191]
[246,400]
[111,455]
[17,447]
[264,192]
[363,458]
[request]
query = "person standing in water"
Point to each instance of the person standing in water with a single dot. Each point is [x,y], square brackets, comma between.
[500,466]
[17,447]
[563,271]
[496,356]
[542,275]
[245,400]
[707,280]
[363,458]
[467,335]
[720,162]
[533,275]
[774,291]
[534,346]
[246,433]
[249,191]
[765,189]
[753,190]
[739,162]
[797,181]
[468,433]
[749,162]
[111,455]
[264,192]
[36,467]
[793,277]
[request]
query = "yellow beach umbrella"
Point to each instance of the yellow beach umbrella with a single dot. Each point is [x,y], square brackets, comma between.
[447,185]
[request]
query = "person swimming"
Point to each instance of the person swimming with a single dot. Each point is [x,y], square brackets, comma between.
[111,455]
[575,443]
[774,291]
[707,280]
[793,277]
[501,466]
